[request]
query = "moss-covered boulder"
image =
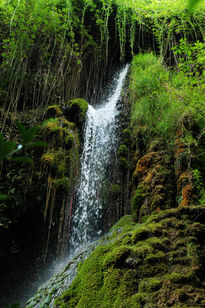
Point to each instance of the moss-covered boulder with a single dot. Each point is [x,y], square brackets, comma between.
[75,110]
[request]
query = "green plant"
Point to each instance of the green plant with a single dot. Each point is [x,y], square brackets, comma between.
[9,148]
[136,202]
[199,186]
[160,98]
[14,305]
[191,59]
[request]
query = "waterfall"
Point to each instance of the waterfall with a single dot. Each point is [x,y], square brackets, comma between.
[99,147]
[100,140]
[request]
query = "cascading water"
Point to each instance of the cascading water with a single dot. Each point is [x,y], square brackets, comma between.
[99,146]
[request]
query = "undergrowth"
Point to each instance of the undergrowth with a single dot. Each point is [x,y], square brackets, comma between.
[52,51]
[161,97]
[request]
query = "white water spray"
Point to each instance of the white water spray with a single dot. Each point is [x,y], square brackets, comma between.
[99,145]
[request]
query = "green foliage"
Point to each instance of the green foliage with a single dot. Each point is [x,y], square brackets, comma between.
[43,52]
[192,4]
[199,185]
[27,135]
[14,305]
[9,148]
[191,59]
[160,98]
[6,148]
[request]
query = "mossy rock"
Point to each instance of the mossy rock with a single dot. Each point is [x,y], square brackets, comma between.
[48,158]
[131,266]
[53,111]
[116,257]
[150,285]
[76,110]
[140,234]
[52,128]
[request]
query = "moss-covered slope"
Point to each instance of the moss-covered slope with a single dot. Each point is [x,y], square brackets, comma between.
[158,263]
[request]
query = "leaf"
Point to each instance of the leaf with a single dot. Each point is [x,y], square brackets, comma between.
[192,4]
[6,148]
[189,52]
[23,159]
[39,144]
[4,197]
[1,139]
[27,135]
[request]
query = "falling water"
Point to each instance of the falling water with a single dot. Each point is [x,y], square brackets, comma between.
[99,146]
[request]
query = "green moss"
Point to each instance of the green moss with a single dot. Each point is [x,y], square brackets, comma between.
[122,227]
[136,202]
[175,277]
[117,256]
[52,127]
[135,301]
[150,285]
[126,136]
[62,183]
[140,234]
[109,290]
[54,111]
[142,249]
[48,158]
[122,151]
[115,189]
[61,161]
[50,120]
[69,140]
[76,110]
[132,268]
[155,258]
[155,227]
[123,163]
[58,159]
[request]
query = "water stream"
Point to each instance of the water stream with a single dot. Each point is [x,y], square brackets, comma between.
[99,146]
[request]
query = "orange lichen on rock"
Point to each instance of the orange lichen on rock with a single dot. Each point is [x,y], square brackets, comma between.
[185,177]
[187,194]
[179,133]
[180,151]
[149,177]
[143,163]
